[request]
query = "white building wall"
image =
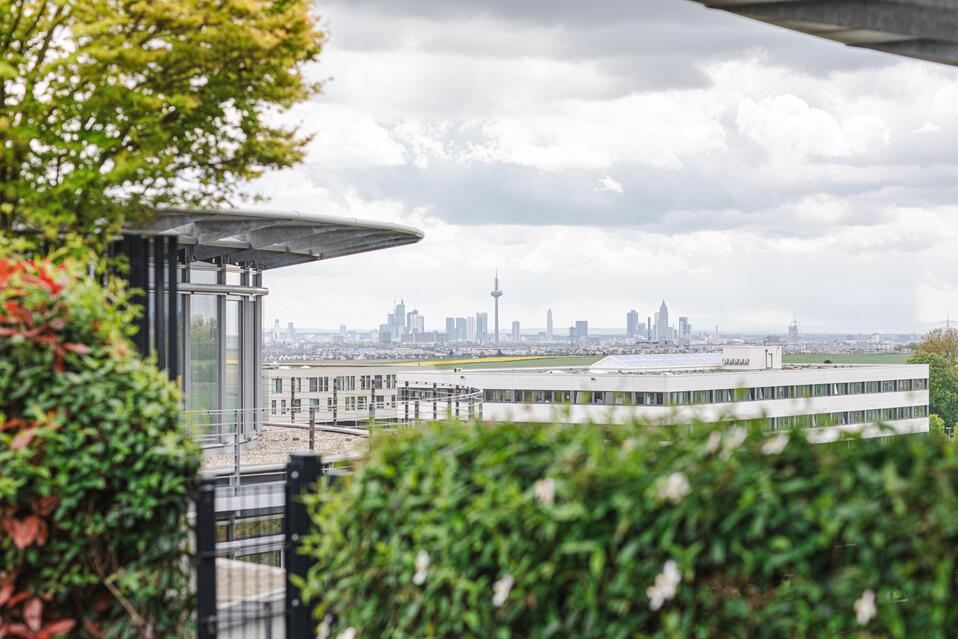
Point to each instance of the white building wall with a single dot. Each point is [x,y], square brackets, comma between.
[666,383]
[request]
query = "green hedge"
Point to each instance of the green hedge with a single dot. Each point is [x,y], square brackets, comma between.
[592,532]
[95,468]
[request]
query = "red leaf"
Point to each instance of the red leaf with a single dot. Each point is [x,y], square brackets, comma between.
[18,630]
[5,591]
[23,438]
[58,361]
[43,531]
[73,347]
[16,422]
[45,505]
[8,332]
[93,628]
[33,613]
[24,532]
[62,626]
[17,598]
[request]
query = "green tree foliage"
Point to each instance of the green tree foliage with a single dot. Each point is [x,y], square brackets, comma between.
[109,108]
[936,424]
[95,467]
[941,341]
[535,531]
[942,385]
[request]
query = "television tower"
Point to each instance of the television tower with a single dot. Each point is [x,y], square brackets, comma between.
[496,294]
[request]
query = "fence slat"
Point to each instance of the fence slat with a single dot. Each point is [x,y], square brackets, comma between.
[303,471]
[206,559]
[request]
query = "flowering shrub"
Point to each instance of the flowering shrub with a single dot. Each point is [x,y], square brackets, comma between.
[95,469]
[606,532]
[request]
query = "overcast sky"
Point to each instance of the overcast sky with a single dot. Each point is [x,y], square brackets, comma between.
[606,155]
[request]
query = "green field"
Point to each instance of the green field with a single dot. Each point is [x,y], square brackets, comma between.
[847,358]
[539,362]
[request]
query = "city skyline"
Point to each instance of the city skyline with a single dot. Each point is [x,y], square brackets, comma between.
[756,175]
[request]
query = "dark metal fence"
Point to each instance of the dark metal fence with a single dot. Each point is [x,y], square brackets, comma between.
[248,536]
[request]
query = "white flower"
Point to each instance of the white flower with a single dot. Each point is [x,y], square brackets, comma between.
[665,585]
[422,565]
[501,589]
[673,488]
[545,490]
[865,607]
[734,438]
[348,633]
[322,630]
[775,445]
[628,445]
[715,439]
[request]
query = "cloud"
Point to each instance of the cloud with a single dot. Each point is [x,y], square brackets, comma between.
[769,173]
[608,184]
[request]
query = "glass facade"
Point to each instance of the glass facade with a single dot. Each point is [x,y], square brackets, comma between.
[204,357]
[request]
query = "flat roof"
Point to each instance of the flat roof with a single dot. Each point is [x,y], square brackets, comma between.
[658,361]
[923,29]
[271,239]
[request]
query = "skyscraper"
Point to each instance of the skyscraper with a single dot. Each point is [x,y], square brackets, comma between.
[496,294]
[461,329]
[684,331]
[662,331]
[515,331]
[482,326]
[470,329]
[450,329]
[549,334]
[291,334]
[632,323]
[275,334]
[581,329]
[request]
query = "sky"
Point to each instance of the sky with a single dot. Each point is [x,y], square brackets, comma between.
[605,156]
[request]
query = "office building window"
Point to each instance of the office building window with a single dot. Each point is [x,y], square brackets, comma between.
[272,407]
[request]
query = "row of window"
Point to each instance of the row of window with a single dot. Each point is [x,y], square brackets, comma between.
[717,396]
[342,383]
[279,407]
[849,417]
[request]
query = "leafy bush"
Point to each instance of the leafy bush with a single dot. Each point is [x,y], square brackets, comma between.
[95,469]
[529,531]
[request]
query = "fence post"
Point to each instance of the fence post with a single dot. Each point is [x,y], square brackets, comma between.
[302,472]
[206,559]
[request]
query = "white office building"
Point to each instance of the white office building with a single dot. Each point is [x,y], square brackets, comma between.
[291,390]
[741,383]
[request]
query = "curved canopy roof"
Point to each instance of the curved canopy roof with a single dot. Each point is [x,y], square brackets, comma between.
[268,239]
[924,29]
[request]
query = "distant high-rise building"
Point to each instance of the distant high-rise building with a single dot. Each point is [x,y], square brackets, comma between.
[342,330]
[641,330]
[415,324]
[482,326]
[385,333]
[648,328]
[470,329]
[549,335]
[632,323]
[451,329]
[496,294]
[461,329]
[662,331]
[291,333]
[275,334]
[581,329]
[685,331]
[793,331]
[515,331]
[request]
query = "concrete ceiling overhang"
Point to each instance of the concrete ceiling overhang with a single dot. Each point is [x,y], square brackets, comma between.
[923,29]
[268,240]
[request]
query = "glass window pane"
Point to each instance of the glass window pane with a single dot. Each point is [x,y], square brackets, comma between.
[204,361]
[233,384]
